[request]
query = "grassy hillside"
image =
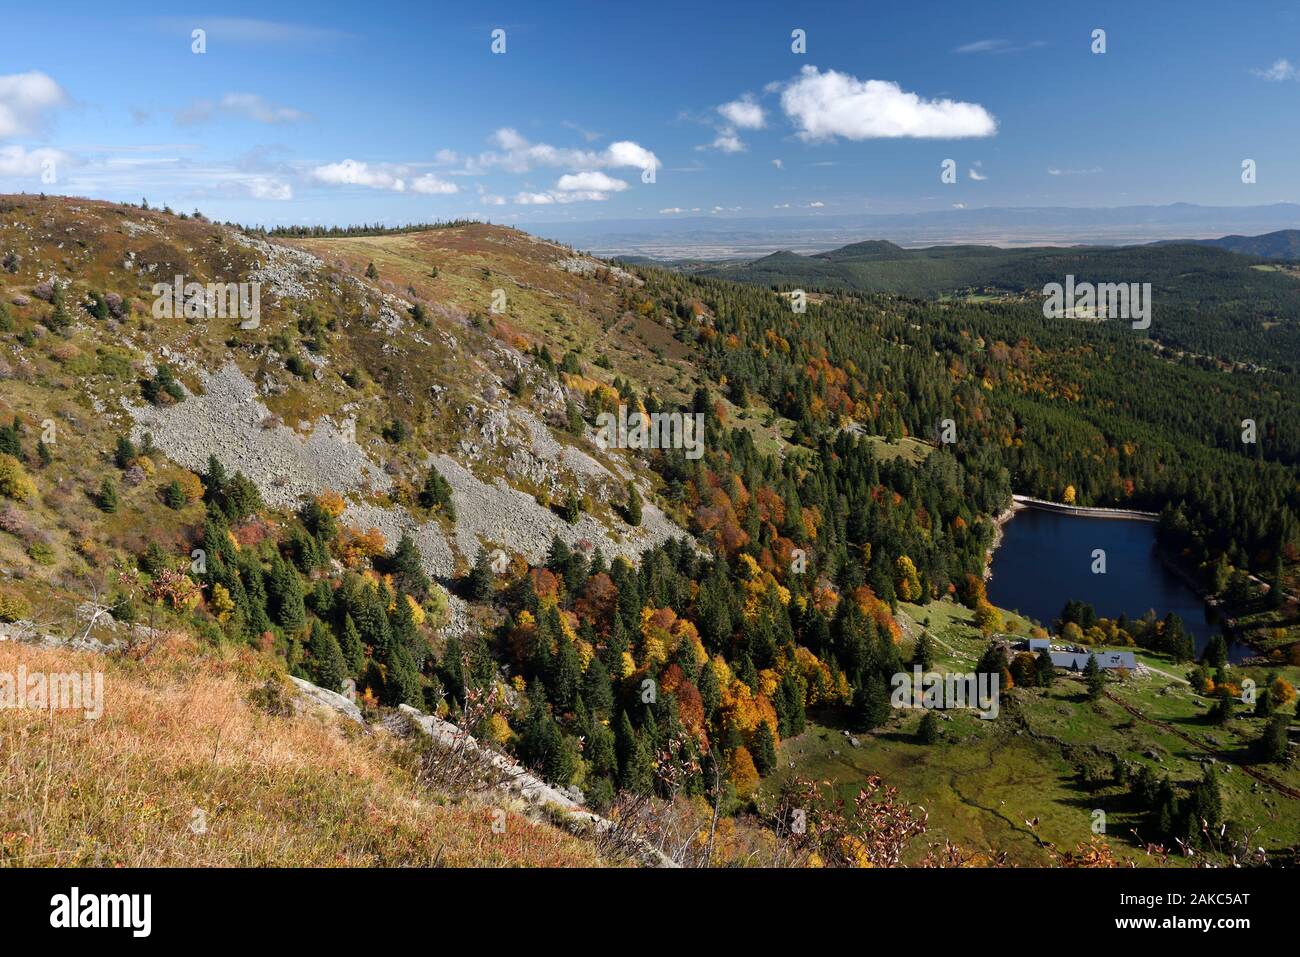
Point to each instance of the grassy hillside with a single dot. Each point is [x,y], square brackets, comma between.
[1028,783]
[187,767]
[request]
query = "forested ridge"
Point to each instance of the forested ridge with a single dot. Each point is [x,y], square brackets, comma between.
[1205,300]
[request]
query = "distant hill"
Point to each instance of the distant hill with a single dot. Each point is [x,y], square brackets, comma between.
[1282,244]
[1207,298]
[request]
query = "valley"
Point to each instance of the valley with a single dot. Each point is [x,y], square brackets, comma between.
[396,486]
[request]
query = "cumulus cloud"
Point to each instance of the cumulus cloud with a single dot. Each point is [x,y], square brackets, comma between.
[778,164]
[1281,70]
[17,161]
[431,185]
[264,187]
[248,105]
[829,105]
[516,154]
[396,178]
[744,113]
[728,142]
[976,173]
[590,181]
[25,101]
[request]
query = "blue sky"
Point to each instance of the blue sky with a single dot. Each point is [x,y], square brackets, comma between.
[401,112]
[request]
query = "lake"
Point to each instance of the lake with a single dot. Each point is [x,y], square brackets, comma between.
[1045,559]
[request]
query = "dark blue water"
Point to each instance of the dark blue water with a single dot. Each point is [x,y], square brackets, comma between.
[1045,560]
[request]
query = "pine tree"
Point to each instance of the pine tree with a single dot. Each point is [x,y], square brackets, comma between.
[1273,743]
[596,688]
[871,704]
[710,690]
[108,500]
[328,668]
[354,652]
[1046,670]
[436,493]
[1094,678]
[125,453]
[923,653]
[1216,651]
[566,673]
[407,568]
[284,589]
[478,584]
[928,730]
[632,511]
[174,496]
[764,749]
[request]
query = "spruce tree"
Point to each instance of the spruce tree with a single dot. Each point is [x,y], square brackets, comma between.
[1094,678]
[108,500]
[478,584]
[764,749]
[928,730]
[284,589]
[923,653]
[328,668]
[632,511]
[408,569]
[354,652]
[1046,670]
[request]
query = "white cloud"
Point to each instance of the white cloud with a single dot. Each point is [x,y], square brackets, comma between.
[1281,70]
[1054,171]
[551,197]
[998,46]
[518,155]
[17,161]
[263,187]
[252,31]
[728,142]
[828,105]
[627,153]
[744,113]
[248,105]
[591,181]
[25,99]
[816,204]
[673,209]
[350,172]
[430,185]
[778,164]
[395,177]
[974,172]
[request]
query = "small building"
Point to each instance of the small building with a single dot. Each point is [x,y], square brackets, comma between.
[1040,644]
[1106,660]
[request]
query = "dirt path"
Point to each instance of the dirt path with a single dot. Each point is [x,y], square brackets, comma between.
[1257,775]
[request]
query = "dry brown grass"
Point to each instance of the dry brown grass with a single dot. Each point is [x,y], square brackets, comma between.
[179,733]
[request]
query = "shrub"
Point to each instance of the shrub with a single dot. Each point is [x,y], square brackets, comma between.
[13,607]
[41,553]
[14,481]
